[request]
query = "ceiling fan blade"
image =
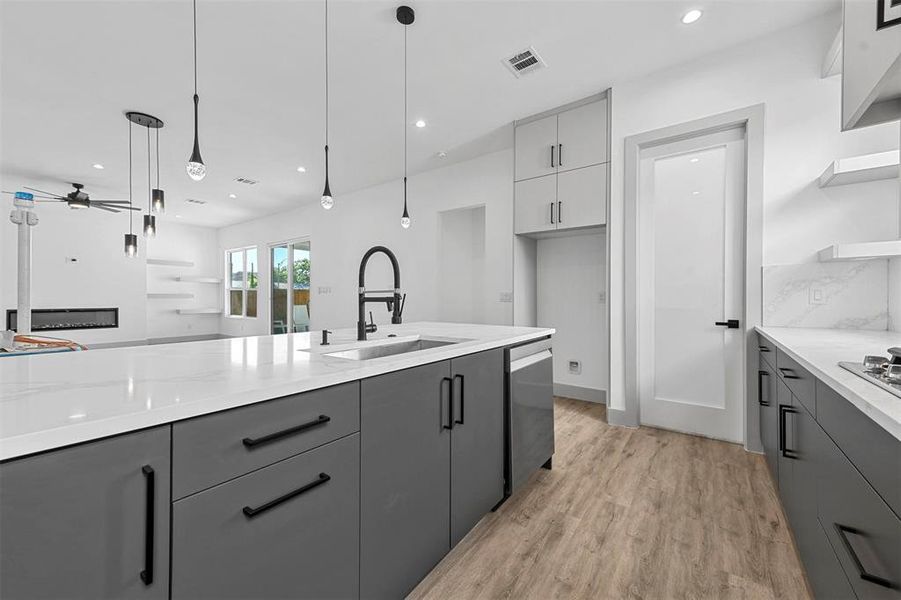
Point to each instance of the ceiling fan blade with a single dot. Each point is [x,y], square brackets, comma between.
[99,203]
[106,208]
[51,200]
[111,201]
[42,192]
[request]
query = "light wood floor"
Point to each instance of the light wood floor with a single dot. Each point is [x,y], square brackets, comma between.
[629,513]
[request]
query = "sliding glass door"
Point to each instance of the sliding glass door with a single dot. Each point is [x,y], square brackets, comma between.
[290,287]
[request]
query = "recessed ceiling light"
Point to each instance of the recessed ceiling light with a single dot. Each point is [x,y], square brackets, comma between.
[98,166]
[301,169]
[177,216]
[442,154]
[232,196]
[696,193]
[691,16]
[420,123]
[694,160]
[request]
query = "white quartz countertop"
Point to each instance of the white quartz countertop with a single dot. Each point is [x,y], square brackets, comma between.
[53,400]
[820,350]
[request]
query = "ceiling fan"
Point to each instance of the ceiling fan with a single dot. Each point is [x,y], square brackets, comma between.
[78,199]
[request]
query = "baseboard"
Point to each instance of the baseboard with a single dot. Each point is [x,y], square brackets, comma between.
[620,418]
[580,393]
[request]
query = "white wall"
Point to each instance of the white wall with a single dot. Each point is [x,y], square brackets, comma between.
[572,277]
[359,220]
[189,243]
[894,294]
[461,260]
[802,135]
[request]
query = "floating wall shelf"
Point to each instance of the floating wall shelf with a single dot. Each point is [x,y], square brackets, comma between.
[154,295]
[169,263]
[861,251]
[199,279]
[199,311]
[859,169]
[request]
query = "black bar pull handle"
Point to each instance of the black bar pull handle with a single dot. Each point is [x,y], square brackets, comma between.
[763,348]
[149,524]
[450,401]
[760,376]
[254,442]
[842,530]
[552,156]
[459,421]
[560,155]
[784,450]
[788,373]
[552,213]
[253,512]
[730,324]
[559,211]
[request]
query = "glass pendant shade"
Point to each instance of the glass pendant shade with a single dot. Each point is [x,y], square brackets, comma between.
[158,200]
[149,226]
[327,201]
[405,220]
[131,245]
[195,167]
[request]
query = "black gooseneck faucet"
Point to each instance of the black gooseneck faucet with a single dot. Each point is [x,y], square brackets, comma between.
[395,302]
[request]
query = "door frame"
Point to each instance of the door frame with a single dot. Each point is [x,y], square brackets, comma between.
[752,119]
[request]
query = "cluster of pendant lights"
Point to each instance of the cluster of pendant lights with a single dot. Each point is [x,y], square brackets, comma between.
[405,16]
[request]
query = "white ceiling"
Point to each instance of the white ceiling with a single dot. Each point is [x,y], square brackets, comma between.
[70,69]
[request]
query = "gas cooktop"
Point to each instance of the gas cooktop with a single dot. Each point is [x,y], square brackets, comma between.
[879,370]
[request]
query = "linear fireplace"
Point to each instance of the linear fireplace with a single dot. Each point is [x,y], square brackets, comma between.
[58,319]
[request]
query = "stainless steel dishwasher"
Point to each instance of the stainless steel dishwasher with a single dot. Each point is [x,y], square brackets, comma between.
[529,411]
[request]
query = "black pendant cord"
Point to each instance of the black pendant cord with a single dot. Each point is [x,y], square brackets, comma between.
[130,187]
[406,214]
[149,178]
[195,59]
[157,158]
[326,89]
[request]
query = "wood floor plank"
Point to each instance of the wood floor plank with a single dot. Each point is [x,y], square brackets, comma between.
[629,513]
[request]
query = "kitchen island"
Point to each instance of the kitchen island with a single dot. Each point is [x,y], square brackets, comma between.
[260,467]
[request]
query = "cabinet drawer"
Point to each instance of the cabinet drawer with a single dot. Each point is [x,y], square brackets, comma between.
[865,534]
[872,449]
[214,448]
[306,546]
[767,349]
[799,380]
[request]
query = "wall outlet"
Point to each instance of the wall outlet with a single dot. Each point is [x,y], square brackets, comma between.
[506,297]
[816,295]
[602,297]
[575,367]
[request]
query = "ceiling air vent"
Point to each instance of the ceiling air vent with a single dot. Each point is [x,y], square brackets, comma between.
[524,62]
[194,201]
[247,181]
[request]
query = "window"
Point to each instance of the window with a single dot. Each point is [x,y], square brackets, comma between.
[243,279]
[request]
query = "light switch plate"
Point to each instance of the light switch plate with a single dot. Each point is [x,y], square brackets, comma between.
[506,297]
[324,289]
[575,367]
[816,295]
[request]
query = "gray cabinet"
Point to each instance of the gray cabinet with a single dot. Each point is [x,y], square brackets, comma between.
[90,521]
[404,478]
[289,530]
[767,401]
[477,440]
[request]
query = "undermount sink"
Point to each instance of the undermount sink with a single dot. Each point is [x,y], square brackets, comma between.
[390,349]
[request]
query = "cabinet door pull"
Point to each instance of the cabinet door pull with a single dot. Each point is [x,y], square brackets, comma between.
[459,421]
[252,512]
[763,348]
[552,156]
[760,376]
[842,530]
[450,402]
[788,373]
[559,211]
[149,526]
[784,450]
[552,213]
[560,155]
[254,442]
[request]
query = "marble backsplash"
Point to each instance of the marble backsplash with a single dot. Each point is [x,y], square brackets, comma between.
[834,295]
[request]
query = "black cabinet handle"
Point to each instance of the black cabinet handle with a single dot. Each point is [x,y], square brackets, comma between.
[459,421]
[730,324]
[450,401]
[864,574]
[760,376]
[560,155]
[254,442]
[784,450]
[252,512]
[552,213]
[559,211]
[788,373]
[763,348]
[149,518]
[552,156]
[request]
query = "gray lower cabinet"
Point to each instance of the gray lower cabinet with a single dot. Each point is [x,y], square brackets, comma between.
[289,530]
[477,440]
[404,478]
[90,521]
[768,406]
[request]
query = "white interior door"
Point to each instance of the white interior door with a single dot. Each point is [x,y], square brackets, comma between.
[691,277]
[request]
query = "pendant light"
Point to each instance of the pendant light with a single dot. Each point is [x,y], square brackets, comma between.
[405,17]
[149,219]
[131,240]
[158,197]
[327,201]
[195,167]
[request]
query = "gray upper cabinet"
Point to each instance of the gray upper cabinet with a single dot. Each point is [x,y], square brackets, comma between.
[91,521]
[404,478]
[536,148]
[477,441]
[289,530]
[582,136]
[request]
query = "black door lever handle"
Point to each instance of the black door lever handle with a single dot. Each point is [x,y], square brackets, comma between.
[730,324]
